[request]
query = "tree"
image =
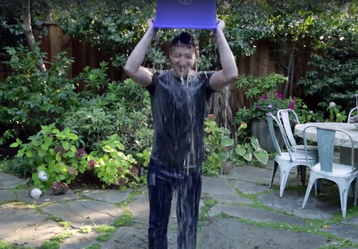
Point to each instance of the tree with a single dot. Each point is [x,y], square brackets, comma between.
[28,31]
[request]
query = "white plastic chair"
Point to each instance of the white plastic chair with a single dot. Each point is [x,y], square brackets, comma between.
[286,160]
[283,115]
[343,175]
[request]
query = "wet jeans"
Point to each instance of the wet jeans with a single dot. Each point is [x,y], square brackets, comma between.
[162,182]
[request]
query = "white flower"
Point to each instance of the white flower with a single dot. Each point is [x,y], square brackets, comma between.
[332,104]
[321,37]
[311,112]
[43,176]
[341,38]
[35,193]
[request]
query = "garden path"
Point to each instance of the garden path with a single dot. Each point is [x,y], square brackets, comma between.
[238,210]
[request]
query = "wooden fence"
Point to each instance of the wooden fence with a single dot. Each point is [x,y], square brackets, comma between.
[260,64]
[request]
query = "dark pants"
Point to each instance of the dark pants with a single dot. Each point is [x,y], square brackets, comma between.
[162,181]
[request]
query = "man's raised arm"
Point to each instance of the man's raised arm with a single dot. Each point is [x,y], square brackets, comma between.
[133,68]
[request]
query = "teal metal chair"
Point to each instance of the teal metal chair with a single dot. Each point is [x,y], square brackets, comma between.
[286,160]
[352,118]
[343,175]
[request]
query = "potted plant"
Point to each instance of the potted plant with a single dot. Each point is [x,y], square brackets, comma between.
[255,115]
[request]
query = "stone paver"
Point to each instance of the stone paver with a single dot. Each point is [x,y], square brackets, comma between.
[261,175]
[220,190]
[232,234]
[6,196]
[291,203]
[255,214]
[249,187]
[85,212]
[48,197]
[140,209]
[110,195]
[79,241]
[352,221]
[344,231]
[22,225]
[135,237]
[25,226]
[9,181]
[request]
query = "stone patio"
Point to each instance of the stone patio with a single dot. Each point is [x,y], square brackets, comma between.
[238,211]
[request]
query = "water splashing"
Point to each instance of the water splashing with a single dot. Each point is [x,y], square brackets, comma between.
[186,84]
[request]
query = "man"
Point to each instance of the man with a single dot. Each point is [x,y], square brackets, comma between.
[178,98]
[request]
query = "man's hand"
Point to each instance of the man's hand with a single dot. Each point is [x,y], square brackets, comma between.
[150,23]
[221,25]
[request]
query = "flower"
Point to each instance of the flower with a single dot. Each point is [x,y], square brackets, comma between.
[278,95]
[36,193]
[59,188]
[80,152]
[122,181]
[59,149]
[243,125]
[43,176]
[134,170]
[269,103]
[91,164]
[71,171]
[332,104]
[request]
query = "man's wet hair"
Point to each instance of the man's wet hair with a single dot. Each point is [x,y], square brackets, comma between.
[185,39]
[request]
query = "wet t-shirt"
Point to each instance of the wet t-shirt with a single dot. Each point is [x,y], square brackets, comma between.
[179,108]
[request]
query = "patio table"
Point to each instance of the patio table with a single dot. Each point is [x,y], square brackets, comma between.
[342,140]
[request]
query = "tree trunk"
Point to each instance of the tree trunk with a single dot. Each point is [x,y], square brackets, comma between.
[28,31]
[48,11]
[221,107]
[290,68]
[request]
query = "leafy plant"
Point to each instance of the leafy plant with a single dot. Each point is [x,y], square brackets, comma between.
[144,157]
[335,115]
[114,167]
[31,98]
[334,59]
[255,87]
[270,103]
[124,109]
[218,145]
[248,149]
[55,154]
[306,115]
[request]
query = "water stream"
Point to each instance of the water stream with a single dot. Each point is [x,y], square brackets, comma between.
[189,94]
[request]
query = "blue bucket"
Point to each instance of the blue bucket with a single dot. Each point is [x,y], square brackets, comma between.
[186,14]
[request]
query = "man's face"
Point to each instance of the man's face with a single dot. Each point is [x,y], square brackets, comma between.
[183,59]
